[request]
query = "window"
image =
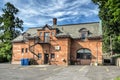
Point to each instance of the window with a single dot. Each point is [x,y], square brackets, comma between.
[22,50]
[40,36]
[52,55]
[39,55]
[83,33]
[26,50]
[84,54]
[47,37]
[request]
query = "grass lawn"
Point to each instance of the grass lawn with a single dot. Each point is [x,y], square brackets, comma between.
[117,78]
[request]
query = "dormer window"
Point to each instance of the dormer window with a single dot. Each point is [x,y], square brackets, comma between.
[83,33]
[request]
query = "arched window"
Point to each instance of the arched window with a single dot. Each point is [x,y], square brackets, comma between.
[84,54]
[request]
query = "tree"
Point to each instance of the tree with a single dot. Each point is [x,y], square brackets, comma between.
[10,27]
[109,14]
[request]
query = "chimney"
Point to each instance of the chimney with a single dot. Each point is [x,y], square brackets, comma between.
[54,21]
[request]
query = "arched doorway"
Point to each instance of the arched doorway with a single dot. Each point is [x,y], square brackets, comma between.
[83,56]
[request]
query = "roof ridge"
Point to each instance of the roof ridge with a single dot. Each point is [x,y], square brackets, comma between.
[35,27]
[78,23]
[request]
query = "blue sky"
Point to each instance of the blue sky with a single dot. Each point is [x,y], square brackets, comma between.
[36,13]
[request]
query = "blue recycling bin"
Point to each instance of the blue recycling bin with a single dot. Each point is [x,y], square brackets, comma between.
[22,62]
[25,62]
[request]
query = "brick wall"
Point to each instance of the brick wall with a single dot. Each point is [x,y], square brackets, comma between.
[95,46]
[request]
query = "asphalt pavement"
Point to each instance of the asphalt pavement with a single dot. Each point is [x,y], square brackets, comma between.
[52,72]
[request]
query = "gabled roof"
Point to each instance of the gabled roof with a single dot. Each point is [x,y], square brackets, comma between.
[46,26]
[31,31]
[73,29]
[70,30]
[18,39]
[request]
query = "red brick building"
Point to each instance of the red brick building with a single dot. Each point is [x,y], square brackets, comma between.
[60,44]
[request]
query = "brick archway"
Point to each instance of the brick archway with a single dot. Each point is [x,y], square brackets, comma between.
[83,56]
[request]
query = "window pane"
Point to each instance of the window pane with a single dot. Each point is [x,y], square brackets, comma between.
[83,35]
[22,50]
[82,56]
[52,55]
[46,37]
[87,51]
[88,56]
[26,50]
[78,55]
[81,51]
[39,55]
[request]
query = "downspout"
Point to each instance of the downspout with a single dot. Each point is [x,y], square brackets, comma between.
[97,53]
[100,32]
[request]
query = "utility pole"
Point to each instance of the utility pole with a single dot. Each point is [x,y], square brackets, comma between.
[111,46]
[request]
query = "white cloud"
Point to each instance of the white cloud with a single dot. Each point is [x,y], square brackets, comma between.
[57,14]
[28,24]
[40,12]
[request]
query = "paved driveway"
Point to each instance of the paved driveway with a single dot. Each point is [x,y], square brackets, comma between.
[46,72]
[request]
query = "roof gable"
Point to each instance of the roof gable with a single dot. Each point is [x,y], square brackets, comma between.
[47,27]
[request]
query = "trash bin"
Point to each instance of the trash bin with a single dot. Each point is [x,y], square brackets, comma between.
[26,61]
[22,62]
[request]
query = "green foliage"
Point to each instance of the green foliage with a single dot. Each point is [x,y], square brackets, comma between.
[5,51]
[110,15]
[117,78]
[10,27]
[9,22]
[116,56]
